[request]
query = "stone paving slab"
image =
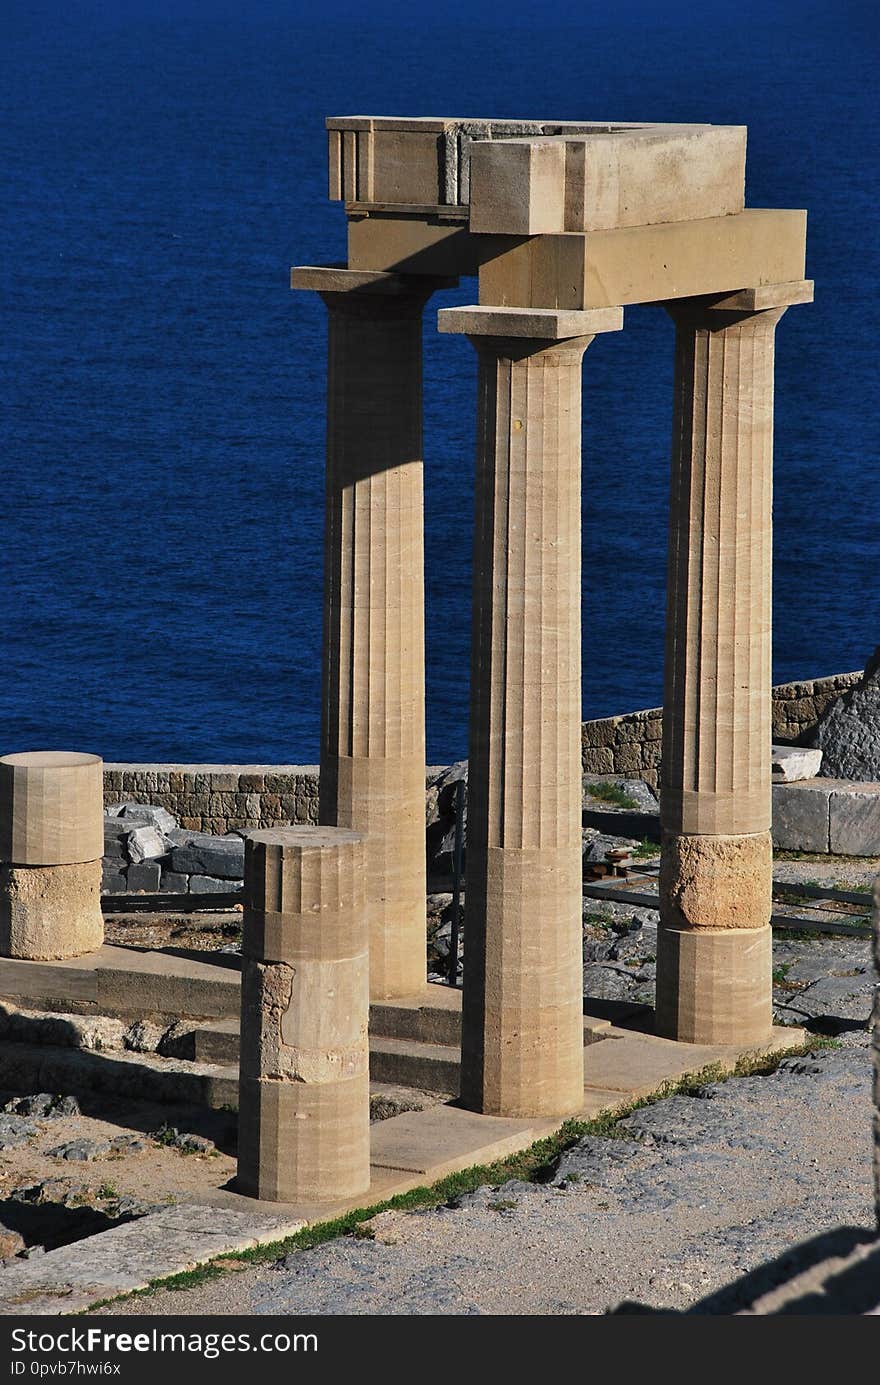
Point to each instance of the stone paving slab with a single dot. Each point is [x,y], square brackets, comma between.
[129,1257]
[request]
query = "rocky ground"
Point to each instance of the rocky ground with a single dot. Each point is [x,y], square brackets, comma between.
[687,1196]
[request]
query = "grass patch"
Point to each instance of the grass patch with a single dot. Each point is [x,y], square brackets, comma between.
[535,1164]
[645,850]
[611,793]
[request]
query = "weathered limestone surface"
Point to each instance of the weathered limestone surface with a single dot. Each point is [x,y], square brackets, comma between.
[373,714]
[716,882]
[792,763]
[593,182]
[424,162]
[51,810]
[50,912]
[637,264]
[522,1025]
[304,1086]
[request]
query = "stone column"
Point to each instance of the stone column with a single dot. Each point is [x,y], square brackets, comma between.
[522,1015]
[51,845]
[714,946]
[373,697]
[875,1045]
[304,1087]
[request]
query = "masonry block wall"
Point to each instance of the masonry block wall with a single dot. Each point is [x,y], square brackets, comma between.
[219,798]
[630,745]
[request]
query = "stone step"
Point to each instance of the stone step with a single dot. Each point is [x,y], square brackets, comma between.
[86,1073]
[433,1025]
[433,1067]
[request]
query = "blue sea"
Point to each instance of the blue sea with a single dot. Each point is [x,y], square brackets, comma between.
[163,391]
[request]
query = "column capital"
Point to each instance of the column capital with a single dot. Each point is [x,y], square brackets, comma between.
[719,310]
[536,324]
[338,279]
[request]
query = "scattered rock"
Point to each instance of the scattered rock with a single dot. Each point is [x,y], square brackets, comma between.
[11,1243]
[143,1037]
[792,762]
[145,844]
[127,1144]
[15,1131]
[148,814]
[81,1150]
[44,1104]
[595,845]
[183,1140]
[201,854]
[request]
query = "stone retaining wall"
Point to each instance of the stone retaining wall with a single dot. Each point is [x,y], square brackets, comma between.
[219,798]
[630,745]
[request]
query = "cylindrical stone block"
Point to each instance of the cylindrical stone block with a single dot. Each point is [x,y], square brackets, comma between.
[51,808]
[50,912]
[715,987]
[304,1109]
[51,845]
[373,695]
[522,1010]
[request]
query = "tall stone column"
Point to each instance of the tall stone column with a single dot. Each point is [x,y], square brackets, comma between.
[373,694]
[714,946]
[522,1016]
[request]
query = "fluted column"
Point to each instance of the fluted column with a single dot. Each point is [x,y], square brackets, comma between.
[522,1017]
[373,687]
[714,948]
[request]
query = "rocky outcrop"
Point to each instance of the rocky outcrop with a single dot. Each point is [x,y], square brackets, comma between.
[849,735]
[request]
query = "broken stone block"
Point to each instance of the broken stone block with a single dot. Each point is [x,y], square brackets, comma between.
[209,884]
[205,855]
[144,876]
[145,844]
[800,815]
[854,820]
[173,883]
[142,814]
[792,762]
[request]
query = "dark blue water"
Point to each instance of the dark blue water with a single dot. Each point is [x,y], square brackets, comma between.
[162,390]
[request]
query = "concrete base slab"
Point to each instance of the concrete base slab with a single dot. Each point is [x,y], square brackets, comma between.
[129,1257]
[414,1149]
[437,1145]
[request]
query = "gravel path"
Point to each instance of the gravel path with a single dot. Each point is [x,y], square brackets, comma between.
[697,1191]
